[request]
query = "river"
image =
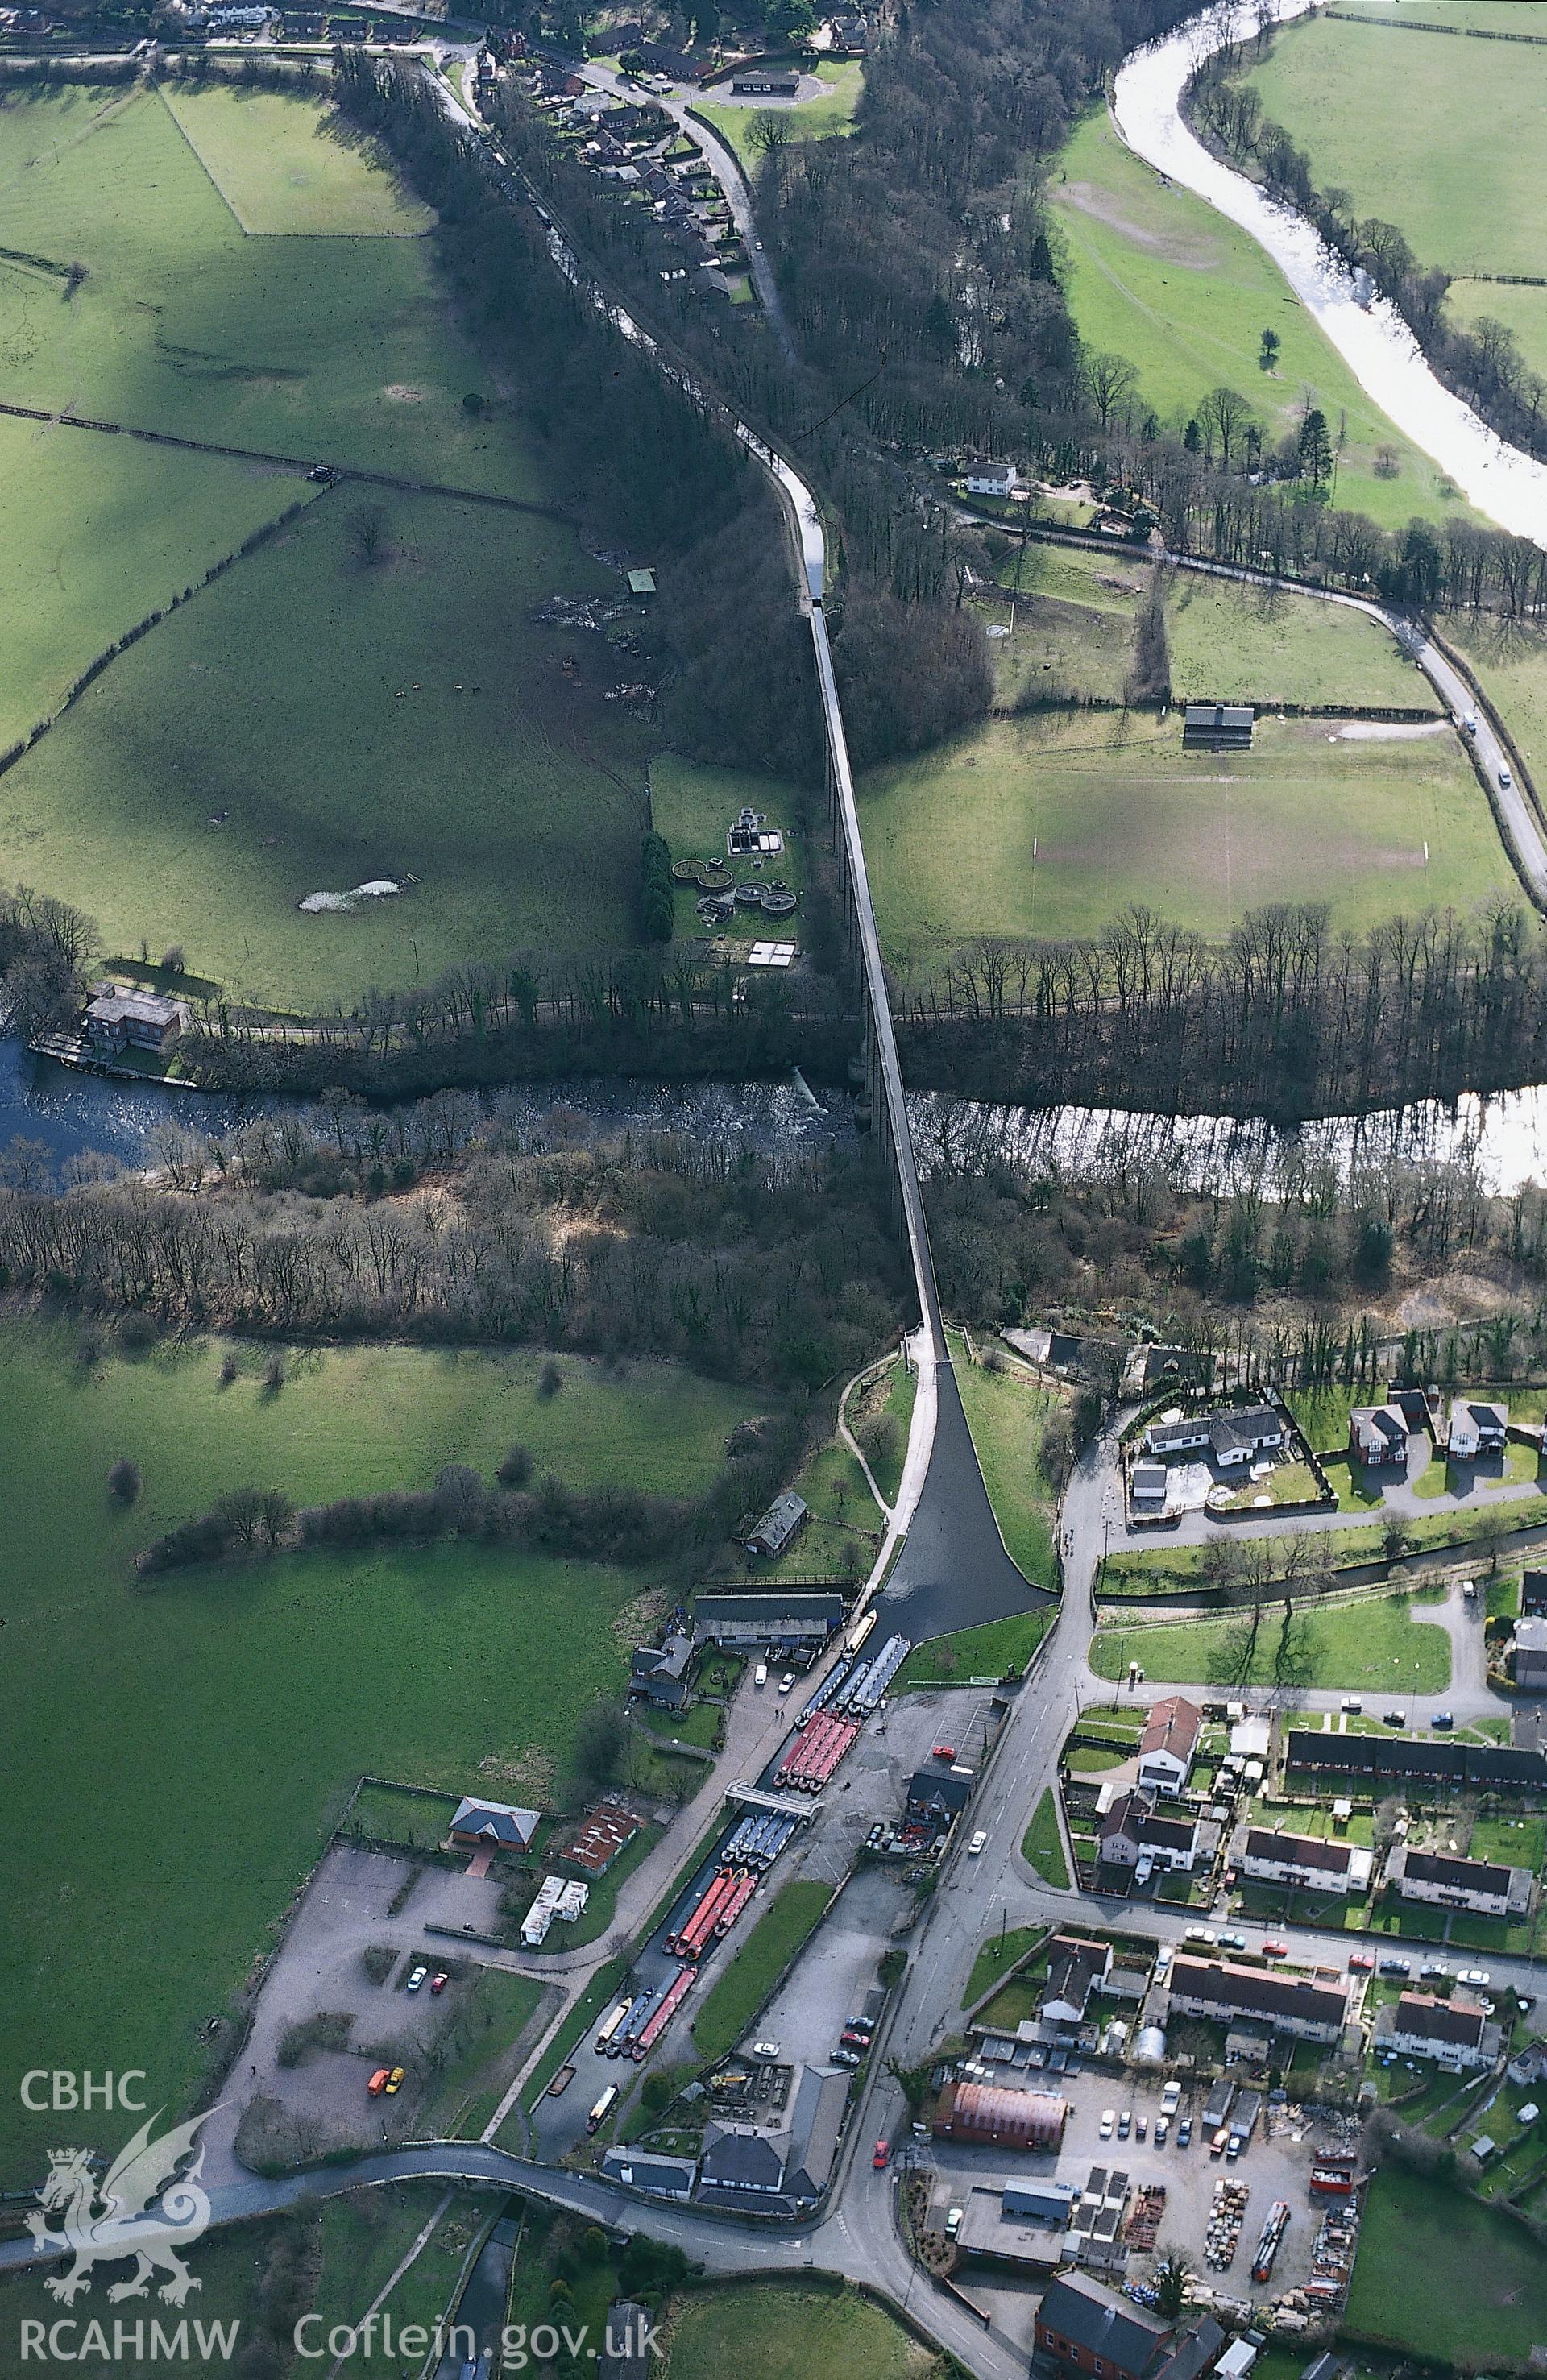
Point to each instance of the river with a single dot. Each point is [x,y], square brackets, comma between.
[1502,482]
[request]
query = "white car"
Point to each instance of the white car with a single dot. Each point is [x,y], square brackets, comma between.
[1203,1934]
[976,1845]
[760,1675]
[1506,779]
[1109,2117]
[786,1682]
[1163,1956]
[420,1974]
[1479,1975]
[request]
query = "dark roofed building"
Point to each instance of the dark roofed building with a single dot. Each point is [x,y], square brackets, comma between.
[738,2158]
[1221,1990]
[1533,1595]
[1132,1832]
[816,2120]
[758,85]
[1088,2327]
[938,1793]
[1440,1760]
[1453,2033]
[1328,1864]
[1218,726]
[496,1825]
[1074,1969]
[770,1618]
[660,1672]
[1168,1743]
[657,2177]
[1378,1435]
[1484,1886]
[779,1527]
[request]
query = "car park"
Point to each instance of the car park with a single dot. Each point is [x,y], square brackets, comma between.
[417,1978]
[976,1845]
[1109,2117]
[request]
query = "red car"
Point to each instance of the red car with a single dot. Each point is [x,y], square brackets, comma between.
[1361,1962]
[944,1751]
[1276,1950]
[439,1982]
[882,2156]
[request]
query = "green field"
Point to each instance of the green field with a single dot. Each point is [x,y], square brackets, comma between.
[1524,311]
[1051,825]
[1155,275]
[756,1964]
[338,346]
[102,531]
[812,119]
[1394,118]
[1440,2276]
[285,167]
[1007,1415]
[692,806]
[1510,659]
[787,2330]
[1075,617]
[984,1652]
[394,719]
[223,1716]
[1374,1641]
[1043,1845]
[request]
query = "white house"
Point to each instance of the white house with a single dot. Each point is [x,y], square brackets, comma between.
[990,479]
[1453,2033]
[1233,1439]
[1133,1835]
[1325,1863]
[1167,1744]
[1482,1887]
[1477,1428]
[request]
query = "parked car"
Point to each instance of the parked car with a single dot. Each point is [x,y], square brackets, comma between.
[1231,1941]
[1394,1718]
[438,1982]
[882,2156]
[845,2058]
[760,1675]
[1506,779]
[1204,1934]
[1140,2126]
[1362,1962]
[1125,2123]
[1396,1966]
[417,1978]
[1479,1975]
[1163,1956]
[378,2081]
[1276,1950]
[944,1751]
[1183,2132]
[786,1682]
[1352,1704]
[976,1845]
[765,2049]
[1109,2117]
[852,2040]
[1217,2146]
[396,2080]
[1442,1718]
[1163,2126]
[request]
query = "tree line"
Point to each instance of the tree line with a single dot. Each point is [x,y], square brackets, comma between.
[1286,1018]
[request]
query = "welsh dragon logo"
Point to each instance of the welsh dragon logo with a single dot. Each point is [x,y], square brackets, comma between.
[107,2222]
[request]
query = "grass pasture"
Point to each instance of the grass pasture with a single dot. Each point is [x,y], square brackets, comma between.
[1393,118]
[1155,275]
[393,719]
[285,167]
[1052,824]
[254,1693]
[1524,311]
[785,2330]
[1375,1642]
[1440,2276]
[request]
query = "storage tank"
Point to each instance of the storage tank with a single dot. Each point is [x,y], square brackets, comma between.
[1150,2048]
[986,2111]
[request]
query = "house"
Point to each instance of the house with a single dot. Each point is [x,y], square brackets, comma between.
[986,2111]
[816,2122]
[765,86]
[1476,1428]
[779,1527]
[659,1673]
[1085,2327]
[1148,1482]
[990,479]
[851,33]
[940,1794]
[1400,1758]
[1530,1655]
[1482,1887]
[1218,726]
[1323,1863]
[629,2339]
[1131,1836]
[120,1018]
[1233,1439]
[485,1825]
[1167,1744]
[1074,1968]
[1378,1435]
[790,1621]
[1218,1989]
[738,2157]
[1455,2033]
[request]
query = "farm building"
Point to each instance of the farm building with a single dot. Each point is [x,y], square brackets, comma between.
[1476,1428]
[1167,1744]
[790,1621]
[495,1824]
[1453,2033]
[1084,2327]
[779,1527]
[120,1018]
[1530,1655]
[1377,1435]
[1293,2004]
[1268,1855]
[1218,726]
[1482,1887]
[1015,2120]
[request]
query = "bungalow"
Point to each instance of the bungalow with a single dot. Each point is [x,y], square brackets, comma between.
[1133,1837]
[1268,1855]
[765,86]
[1378,1435]
[779,1527]
[1453,2033]
[990,479]
[1476,1428]
[1530,1656]
[1483,1886]
[1220,1990]
[120,1018]
[493,1824]
[1167,1744]
[1231,1437]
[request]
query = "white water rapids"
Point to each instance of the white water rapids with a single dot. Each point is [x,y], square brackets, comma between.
[1498,480]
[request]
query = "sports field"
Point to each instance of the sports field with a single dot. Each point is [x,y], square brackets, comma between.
[101,531]
[340,347]
[215,1723]
[1051,825]
[347,721]
[1440,135]
[1155,274]
[1074,620]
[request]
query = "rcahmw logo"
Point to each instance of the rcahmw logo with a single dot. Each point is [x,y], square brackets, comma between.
[113,2222]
